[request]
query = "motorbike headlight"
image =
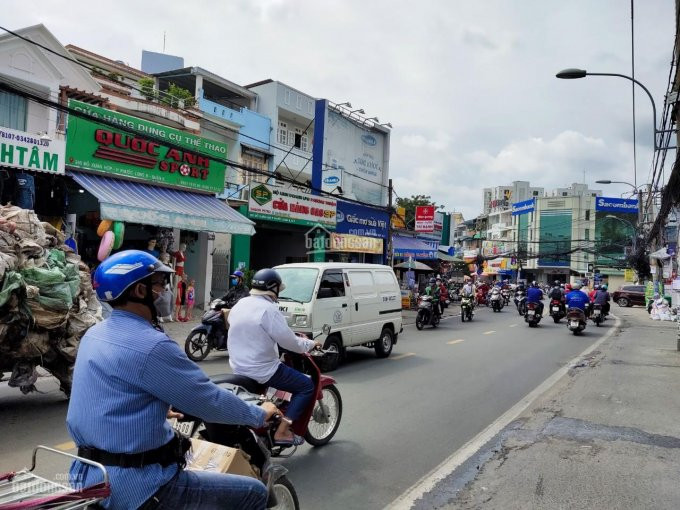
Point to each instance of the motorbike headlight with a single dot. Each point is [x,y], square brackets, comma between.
[300,320]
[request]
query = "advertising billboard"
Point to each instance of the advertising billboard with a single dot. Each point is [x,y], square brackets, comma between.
[359,220]
[272,203]
[615,220]
[355,158]
[424,218]
[555,236]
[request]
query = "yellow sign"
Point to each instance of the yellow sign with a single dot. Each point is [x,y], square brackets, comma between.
[399,218]
[356,244]
[629,275]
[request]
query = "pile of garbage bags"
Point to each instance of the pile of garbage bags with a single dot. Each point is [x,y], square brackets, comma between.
[46,300]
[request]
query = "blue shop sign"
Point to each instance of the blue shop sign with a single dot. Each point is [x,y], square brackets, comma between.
[523,207]
[622,205]
[360,220]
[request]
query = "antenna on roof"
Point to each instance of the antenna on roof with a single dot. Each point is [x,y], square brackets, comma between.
[163,41]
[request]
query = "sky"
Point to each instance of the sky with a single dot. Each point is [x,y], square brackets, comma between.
[469,86]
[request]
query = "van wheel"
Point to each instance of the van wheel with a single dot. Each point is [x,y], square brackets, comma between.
[383,346]
[331,361]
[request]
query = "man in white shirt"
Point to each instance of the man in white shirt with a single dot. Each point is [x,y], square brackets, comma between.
[256,329]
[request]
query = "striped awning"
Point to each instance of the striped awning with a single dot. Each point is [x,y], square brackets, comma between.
[147,204]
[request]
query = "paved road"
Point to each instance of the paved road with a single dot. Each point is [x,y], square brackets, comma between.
[402,415]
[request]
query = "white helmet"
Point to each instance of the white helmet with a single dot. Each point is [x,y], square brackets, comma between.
[576,286]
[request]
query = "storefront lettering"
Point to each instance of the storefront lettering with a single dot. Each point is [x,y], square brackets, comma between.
[123,141]
[50,161]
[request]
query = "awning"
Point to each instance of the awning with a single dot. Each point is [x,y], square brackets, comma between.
[405,247]
[252,147]
[448,258]
[134,202]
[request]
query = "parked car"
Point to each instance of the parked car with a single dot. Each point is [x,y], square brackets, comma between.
[629,295]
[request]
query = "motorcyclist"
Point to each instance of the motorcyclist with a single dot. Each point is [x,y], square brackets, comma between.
[577,298]
[602,298]
[434,291]
[256,330]
[237,290]
[592,293]
[535,295]
[126,377]
[556,292]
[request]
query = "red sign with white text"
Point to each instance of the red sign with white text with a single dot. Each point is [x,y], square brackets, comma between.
[425,218]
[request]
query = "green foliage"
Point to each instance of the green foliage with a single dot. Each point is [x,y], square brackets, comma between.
[146,86]
[248,276]
[115,76]
[410,205]
[176,95]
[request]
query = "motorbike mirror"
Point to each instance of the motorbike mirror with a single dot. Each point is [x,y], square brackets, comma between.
[326,329]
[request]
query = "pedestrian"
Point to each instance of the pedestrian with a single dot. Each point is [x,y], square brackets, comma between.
[191,299]
[181,299]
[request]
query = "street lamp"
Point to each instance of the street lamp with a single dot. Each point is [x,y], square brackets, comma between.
[573,74]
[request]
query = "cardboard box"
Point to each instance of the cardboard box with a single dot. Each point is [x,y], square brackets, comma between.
[216,458]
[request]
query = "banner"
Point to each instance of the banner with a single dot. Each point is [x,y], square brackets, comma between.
[286,205]
[399,218]
[424,218]
[22,150]
[614,233]
[360,220]
[98,147]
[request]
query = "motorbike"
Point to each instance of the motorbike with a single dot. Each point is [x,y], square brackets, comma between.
[426,313]
[505,293]
[597,315]
[444,297]
[210,334]
[482,298]
[466,311]
[521,302]
[496,300]
[576,320]
[532,316]
[318,423]
[557,310]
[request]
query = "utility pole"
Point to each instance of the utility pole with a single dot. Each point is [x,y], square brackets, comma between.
[390,250]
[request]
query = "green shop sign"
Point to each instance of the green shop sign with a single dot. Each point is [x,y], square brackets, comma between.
[186,161]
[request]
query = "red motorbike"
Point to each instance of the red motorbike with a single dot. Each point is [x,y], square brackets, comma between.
[557,310]
[320,420]
[482,298]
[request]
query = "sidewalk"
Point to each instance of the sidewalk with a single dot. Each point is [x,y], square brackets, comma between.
[607,435]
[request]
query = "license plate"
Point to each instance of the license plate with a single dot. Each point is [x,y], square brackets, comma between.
[530,312]
[556,308]
[183,427]
[596,312]
[574,324]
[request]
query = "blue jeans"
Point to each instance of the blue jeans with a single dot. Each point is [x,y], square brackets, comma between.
[205,490]
[297,384]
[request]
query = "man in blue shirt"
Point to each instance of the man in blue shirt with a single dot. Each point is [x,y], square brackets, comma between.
[577,298]
[535,295]
[126,377]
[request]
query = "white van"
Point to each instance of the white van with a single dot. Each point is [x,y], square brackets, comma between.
[361,303]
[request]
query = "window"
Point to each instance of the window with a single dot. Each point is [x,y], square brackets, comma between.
[331,285]
[535,193]
[299,102]
[12,111]
[255,161]
[282,136]
[286,97]
[310,107]
[587,234]
[588,215]
[564,193]
[299,281]
[301,140]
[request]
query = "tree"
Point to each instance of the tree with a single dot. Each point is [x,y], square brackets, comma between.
[410,205]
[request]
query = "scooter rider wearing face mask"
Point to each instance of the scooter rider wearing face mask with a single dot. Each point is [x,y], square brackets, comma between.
[126,376]
[237,290]
[256,330]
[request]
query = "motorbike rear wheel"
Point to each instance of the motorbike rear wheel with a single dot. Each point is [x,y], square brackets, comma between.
[286,495]
[325,418]
[556,318]
[197,346]
[463,314]
[420,320]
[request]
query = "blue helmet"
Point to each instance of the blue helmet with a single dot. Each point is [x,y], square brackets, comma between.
[123,269]
[238,274]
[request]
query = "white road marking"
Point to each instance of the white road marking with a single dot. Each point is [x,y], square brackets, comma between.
[489,332]
[512,325]
[453,342]
[427,483]
[402,356]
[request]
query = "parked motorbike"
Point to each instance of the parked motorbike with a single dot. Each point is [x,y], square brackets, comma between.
[496,300]
[466,308]
[557,310]
[576,320]
[210,334]
[532,316]
[427,316]
[521,302]
[597,315]
[505,293]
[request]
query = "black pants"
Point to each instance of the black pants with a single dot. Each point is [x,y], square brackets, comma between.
[539,307]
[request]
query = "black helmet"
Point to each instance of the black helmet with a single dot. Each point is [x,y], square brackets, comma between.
[267,280]
[433,281]
[557,283]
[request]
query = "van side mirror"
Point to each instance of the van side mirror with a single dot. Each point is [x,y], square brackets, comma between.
[326,329]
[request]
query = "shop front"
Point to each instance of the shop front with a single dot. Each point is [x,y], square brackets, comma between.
[412,248]
[147,187]
[360,234]
[292,226]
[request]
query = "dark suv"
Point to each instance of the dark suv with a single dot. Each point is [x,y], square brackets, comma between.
[629,295]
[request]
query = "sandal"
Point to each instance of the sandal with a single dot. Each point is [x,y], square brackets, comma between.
[294,441]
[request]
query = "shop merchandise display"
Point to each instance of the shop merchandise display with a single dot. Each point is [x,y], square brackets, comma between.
[46,300]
